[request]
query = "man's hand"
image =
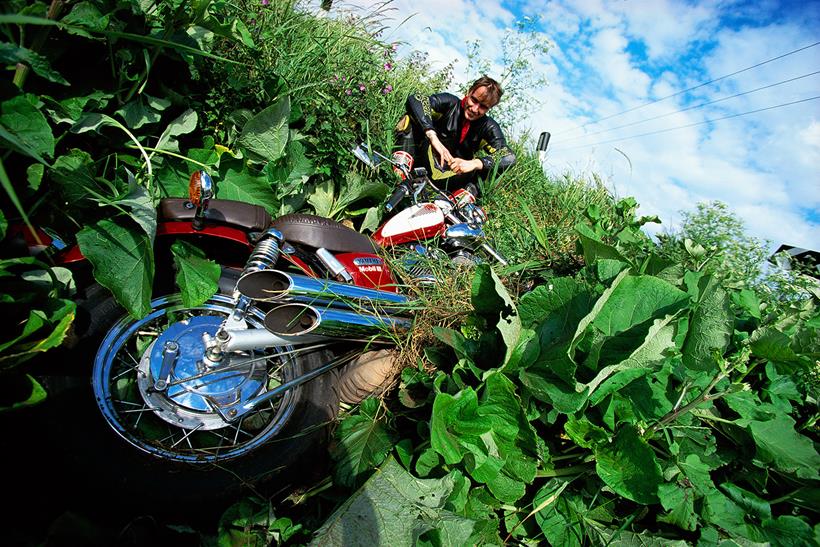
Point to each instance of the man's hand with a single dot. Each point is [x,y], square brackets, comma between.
[461,166]
[445,158]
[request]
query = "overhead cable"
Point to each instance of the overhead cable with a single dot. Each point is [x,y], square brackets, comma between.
[691,124]
[692,107]
[694,87]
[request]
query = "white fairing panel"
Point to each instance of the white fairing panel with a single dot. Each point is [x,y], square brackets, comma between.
[415,218]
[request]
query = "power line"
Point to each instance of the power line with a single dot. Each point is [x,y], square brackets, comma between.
[691,124]
[693,107]
[695,87]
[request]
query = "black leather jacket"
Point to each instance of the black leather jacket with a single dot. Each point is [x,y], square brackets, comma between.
[443,113]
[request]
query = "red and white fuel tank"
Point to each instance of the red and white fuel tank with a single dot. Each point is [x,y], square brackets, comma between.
[416,223]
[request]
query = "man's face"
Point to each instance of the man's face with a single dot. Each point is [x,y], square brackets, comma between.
[477,103]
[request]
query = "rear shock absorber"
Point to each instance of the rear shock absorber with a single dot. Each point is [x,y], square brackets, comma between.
[266,252]
[263,257]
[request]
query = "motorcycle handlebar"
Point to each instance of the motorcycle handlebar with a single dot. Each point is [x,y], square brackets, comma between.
[398,194]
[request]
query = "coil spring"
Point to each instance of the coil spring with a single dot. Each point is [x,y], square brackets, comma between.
[265,254]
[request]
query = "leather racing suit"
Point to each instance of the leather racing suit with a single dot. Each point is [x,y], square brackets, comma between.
[444,113]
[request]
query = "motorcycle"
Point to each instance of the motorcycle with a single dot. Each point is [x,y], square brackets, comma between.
[248,381]
[435,221]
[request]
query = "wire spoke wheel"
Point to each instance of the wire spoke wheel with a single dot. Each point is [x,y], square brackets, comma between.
[181,420]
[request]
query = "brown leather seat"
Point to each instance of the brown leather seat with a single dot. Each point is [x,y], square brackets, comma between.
[315,231]
[243,215]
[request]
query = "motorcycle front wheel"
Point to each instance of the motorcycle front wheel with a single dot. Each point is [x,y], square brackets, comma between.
[180,423]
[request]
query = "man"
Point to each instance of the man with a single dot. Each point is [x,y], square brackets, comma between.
[443,134]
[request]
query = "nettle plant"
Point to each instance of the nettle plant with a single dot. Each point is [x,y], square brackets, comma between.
[617,406]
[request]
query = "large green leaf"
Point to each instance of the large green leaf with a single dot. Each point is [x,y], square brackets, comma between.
[123,261]
[493,438]
[291,173]
[28,126]
[635,300]
[628,466]
[85,15]
[182,125]
[35,394]
[750,502]
[356,188]
[556,294]
[595,249]
[395,508]
[560,516]
[364,442]
[789,531]
[137,113]
[548,388]
[266,134]
[197,277]
[710,327]
[772,344]
[658,343]
[490,297]
[455,422]
[240,184]
[142,208]
[322,199]
[723,512]
[780,446]
[679,501]
[11,55]
[74,176]
[70,110]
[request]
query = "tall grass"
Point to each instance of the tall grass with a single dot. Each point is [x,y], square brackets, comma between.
[532,217]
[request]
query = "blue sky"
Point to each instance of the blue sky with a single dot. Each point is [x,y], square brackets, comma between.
[609,59]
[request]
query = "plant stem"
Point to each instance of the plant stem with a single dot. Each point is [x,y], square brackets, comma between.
[702,398]
[564,471]
[168,153]
[22,70]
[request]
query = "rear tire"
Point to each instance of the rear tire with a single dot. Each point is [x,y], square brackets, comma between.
[259,447]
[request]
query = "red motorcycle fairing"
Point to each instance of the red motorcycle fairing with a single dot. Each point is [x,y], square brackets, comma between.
[416,223]
[368,270]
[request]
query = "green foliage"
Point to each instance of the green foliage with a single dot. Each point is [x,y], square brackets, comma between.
[712,239]
[196,275]
[364,443]
[38,313]
[540,231]
[395,508]
[628,406]
[252,521]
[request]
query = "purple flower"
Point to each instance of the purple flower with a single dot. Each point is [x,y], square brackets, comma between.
[387,89]
[362,88]
[348,92]
[388,67]
[265,2]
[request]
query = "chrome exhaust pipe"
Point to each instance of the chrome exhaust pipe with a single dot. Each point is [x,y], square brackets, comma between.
[276,286]
[296,319]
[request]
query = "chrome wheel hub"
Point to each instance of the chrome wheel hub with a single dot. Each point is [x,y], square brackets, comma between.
[195,387]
